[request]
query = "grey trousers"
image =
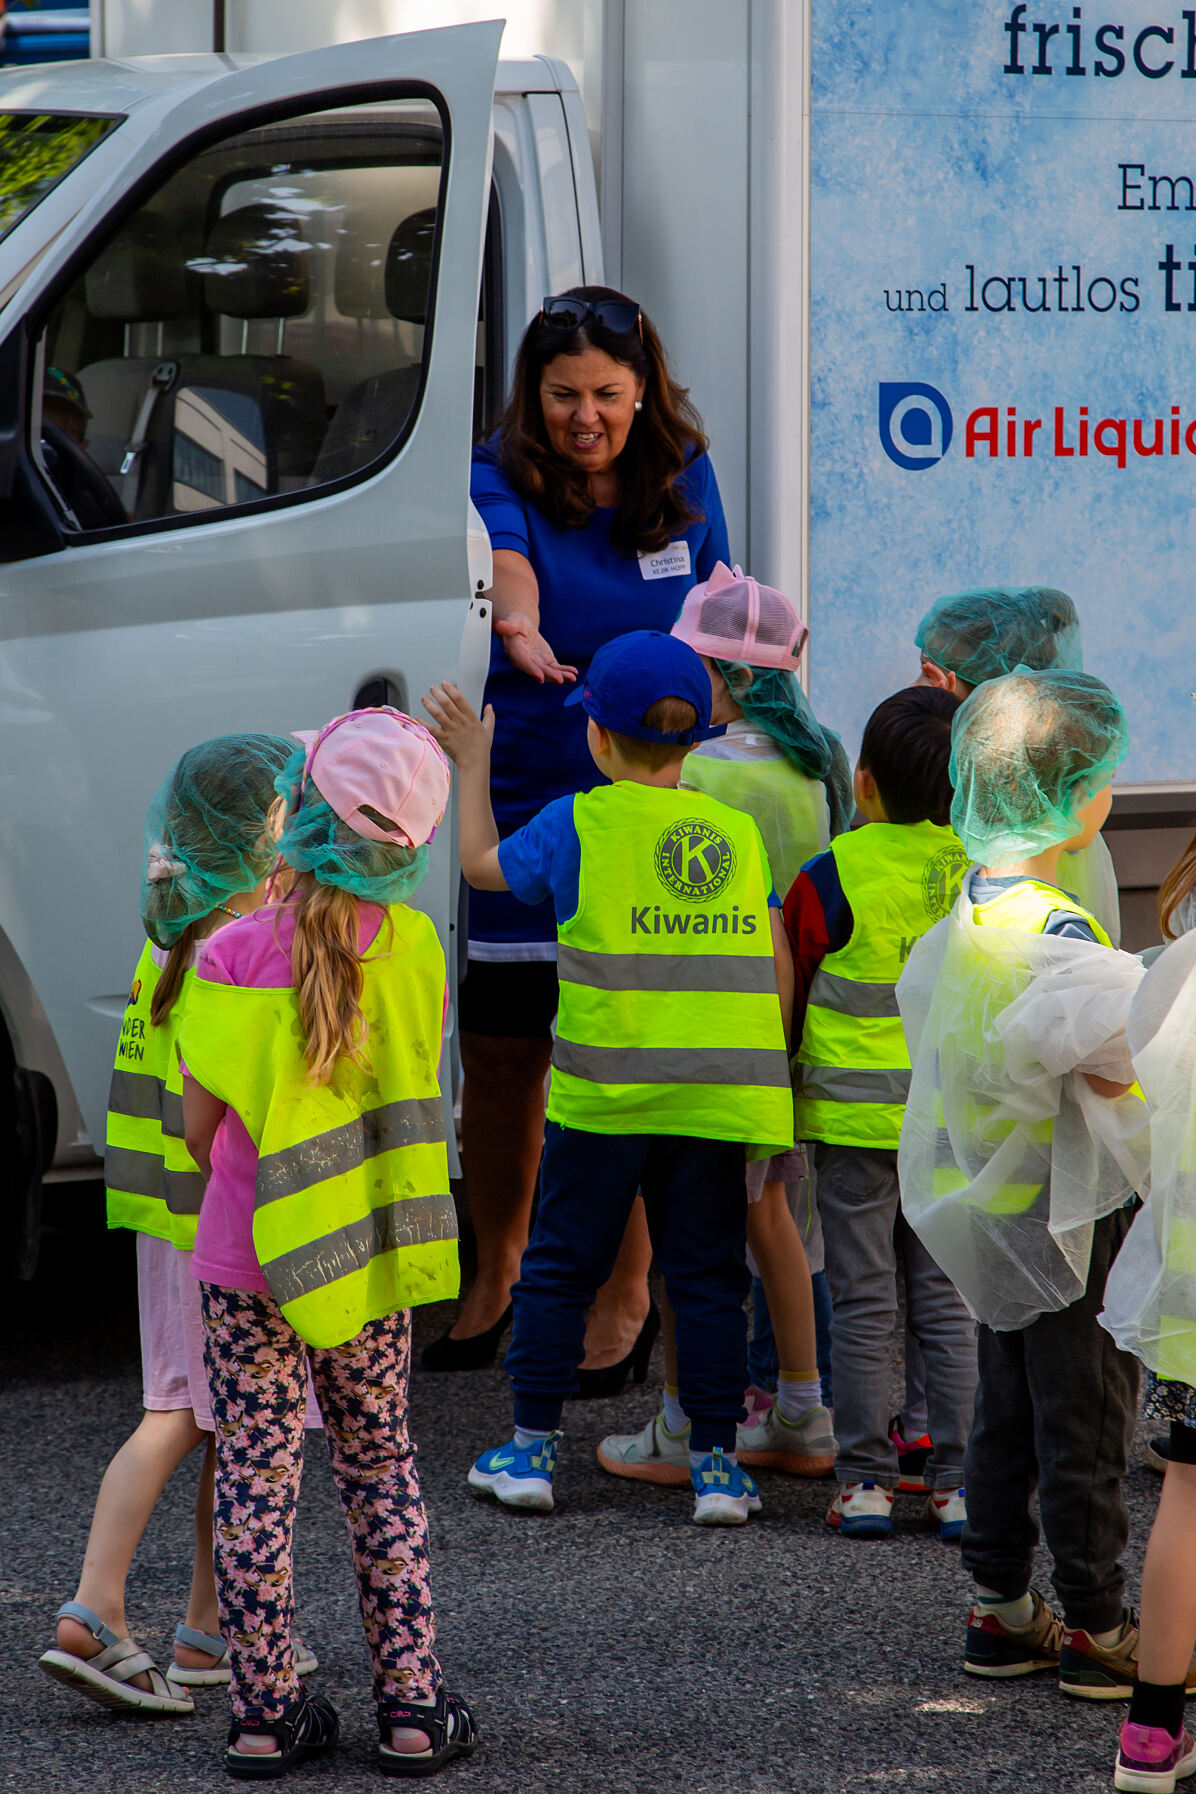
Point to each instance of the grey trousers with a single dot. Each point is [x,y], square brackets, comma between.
[1055,1410]
[866,1234]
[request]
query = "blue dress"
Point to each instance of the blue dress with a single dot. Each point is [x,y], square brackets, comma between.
[589,593]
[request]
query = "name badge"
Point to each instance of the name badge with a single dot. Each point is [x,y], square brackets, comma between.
[666,563]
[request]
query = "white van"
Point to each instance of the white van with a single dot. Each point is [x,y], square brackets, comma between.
[262,279]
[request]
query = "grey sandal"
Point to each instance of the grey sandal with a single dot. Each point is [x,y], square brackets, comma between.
[220,1674]
[107,1678]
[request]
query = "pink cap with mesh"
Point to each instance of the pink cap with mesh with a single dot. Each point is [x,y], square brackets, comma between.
[381,772]
[734,617]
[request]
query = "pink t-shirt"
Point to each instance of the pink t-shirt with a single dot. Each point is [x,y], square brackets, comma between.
[256,952]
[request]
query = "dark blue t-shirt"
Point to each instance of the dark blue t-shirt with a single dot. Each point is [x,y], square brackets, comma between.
[589,593]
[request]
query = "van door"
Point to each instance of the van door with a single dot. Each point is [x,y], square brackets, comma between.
[234,476]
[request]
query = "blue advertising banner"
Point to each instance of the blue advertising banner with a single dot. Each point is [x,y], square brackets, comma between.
[1003,339]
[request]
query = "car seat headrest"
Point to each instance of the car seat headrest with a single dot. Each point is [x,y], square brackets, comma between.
[409,266]
[376,279]
[138,278]
[256,264]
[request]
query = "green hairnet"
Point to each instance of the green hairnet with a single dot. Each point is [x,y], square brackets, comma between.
[314,839]
[773,699]
[1027,753]
[985,634]
[206,833]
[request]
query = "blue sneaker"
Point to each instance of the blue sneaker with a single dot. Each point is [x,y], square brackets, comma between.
[725,1493]
[518,1478]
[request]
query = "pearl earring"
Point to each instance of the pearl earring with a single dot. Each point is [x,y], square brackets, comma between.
[639,404]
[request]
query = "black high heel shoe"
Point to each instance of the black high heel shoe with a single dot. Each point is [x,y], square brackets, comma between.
[596,1385]
[476,1352]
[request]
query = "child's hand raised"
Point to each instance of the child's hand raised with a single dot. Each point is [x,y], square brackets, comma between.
[464,736]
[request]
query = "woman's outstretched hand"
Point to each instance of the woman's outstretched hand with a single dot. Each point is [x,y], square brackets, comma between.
[527,650]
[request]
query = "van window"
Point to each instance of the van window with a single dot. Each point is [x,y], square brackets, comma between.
[255,329]
[36,150]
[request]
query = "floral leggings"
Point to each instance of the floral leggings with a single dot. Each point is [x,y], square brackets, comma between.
[257,1374]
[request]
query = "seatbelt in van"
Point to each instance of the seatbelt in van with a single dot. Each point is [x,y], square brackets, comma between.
[160,381]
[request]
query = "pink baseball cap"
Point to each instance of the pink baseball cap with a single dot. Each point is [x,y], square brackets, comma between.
[381,772]
[733,617]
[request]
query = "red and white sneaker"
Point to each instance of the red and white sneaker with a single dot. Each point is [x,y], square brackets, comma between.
[862,1511]
[945,1509]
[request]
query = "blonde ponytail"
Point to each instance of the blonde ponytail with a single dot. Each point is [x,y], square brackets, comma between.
[170,982]
[326,970]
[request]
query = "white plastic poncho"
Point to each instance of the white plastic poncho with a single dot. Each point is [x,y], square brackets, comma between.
[1090,876]
[1008,1156]
[1150,1297]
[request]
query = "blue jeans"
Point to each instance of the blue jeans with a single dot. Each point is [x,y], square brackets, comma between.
[696,1202]
[764,1367]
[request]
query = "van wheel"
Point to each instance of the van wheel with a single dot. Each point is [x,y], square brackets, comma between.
[28,1133]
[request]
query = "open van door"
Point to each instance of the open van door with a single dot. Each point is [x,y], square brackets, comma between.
[237,400]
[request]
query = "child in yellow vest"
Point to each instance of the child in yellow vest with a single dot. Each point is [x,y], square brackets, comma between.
[1017,1166]
[208,850]
[311,1104]
[791,776]
[853,916]
[669,1055]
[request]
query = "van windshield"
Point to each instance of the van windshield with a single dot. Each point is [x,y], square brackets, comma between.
[36,150]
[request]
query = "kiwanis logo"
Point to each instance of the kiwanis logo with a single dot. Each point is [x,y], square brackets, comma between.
[941,880]
[694,860]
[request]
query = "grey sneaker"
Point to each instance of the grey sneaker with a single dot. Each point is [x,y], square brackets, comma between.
[805,1447]
[653,1456]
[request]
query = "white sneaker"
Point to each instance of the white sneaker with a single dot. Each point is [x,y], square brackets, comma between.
[945,1509]
[862,1511]
[804,1447]
[653,1456]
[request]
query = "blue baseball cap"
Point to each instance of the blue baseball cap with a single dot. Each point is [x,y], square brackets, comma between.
[627,676]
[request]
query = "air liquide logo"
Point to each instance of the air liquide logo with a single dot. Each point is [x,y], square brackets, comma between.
[915,424]
[694,860]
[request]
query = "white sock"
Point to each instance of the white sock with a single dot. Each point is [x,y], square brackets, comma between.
[1015,1614]
[796,1397]
[698,1458]
[675,1418]
[526,1437]
[1109,1638]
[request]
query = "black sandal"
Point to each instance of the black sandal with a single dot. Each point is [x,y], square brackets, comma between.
[450,1730]
[309,1725]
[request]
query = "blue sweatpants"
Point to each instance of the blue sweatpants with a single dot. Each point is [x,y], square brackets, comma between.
[696,1200]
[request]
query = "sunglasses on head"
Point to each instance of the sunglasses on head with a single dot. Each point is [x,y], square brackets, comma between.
[620,315]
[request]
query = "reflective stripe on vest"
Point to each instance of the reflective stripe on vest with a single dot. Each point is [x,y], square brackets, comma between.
[853,1064]
[352,1217]
[669,1021]
[153,1184]
[1027,907]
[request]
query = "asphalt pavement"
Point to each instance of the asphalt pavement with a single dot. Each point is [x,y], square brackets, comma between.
[608,1647]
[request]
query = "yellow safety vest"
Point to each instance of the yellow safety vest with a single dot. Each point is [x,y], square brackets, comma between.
[853,1064]
[788,808]
[669,1020]
[154,1186]
[1027,906]
[353,1218]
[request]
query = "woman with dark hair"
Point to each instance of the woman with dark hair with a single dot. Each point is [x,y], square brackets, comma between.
[602,510]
